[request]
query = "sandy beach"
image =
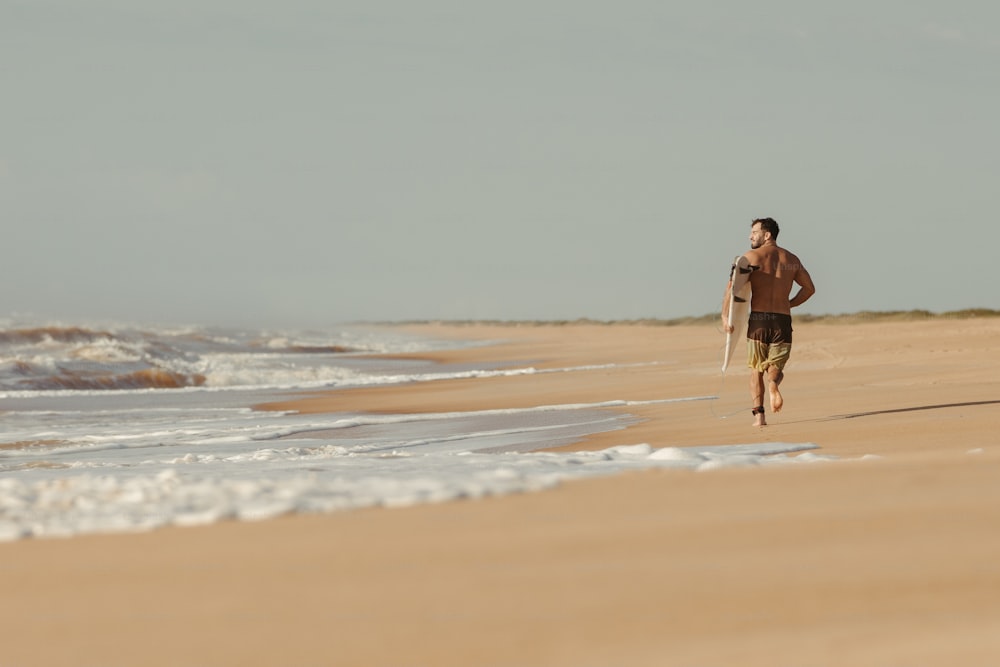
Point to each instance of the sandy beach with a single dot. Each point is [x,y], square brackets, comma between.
[888,555]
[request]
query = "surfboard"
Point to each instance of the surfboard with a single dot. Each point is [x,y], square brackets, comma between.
[739,306]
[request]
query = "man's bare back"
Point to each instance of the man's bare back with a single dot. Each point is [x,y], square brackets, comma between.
[771,283]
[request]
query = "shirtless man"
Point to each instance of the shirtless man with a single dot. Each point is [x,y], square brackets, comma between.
[769,331]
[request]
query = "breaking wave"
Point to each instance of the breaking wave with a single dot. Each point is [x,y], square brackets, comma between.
[51,334]
[54,358]
[149,378]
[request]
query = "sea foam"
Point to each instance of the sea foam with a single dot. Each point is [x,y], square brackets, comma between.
[197,489]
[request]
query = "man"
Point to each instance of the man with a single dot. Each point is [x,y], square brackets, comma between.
[769,331]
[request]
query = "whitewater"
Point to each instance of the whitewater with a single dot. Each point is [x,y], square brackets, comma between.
[125,428]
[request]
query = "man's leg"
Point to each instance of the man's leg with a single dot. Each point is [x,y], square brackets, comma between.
[757,397]
[774,378]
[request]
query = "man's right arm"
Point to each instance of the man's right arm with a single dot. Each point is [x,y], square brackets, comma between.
[725,308]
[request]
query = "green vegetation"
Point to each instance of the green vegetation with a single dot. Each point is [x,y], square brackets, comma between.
[859,317]
[898,316]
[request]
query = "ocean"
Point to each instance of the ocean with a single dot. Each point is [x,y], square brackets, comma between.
[120,428]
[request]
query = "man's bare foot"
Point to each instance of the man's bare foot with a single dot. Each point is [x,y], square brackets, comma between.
[758,417]
[772,388]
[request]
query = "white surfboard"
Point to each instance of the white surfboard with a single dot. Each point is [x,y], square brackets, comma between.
[739,306]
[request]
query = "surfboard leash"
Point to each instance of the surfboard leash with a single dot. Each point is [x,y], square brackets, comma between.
[775,417]
[722,386]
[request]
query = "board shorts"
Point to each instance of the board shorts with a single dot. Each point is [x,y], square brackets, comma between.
[769,340]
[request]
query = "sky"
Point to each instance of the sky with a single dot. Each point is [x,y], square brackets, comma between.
[311,162]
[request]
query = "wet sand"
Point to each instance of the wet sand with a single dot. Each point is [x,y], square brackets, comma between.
[888,556]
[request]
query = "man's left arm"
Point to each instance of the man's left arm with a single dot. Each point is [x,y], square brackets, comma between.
[806,287]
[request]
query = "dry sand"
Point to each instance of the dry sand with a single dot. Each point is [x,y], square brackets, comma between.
[888,561]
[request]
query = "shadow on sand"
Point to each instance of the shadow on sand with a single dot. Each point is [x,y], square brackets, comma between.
[855,415]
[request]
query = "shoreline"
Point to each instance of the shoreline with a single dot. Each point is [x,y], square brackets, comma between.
[861,388]
[886,556]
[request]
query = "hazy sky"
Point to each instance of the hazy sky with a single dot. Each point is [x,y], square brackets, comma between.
[309,162]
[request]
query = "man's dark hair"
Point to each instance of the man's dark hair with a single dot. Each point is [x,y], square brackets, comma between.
[767,225]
